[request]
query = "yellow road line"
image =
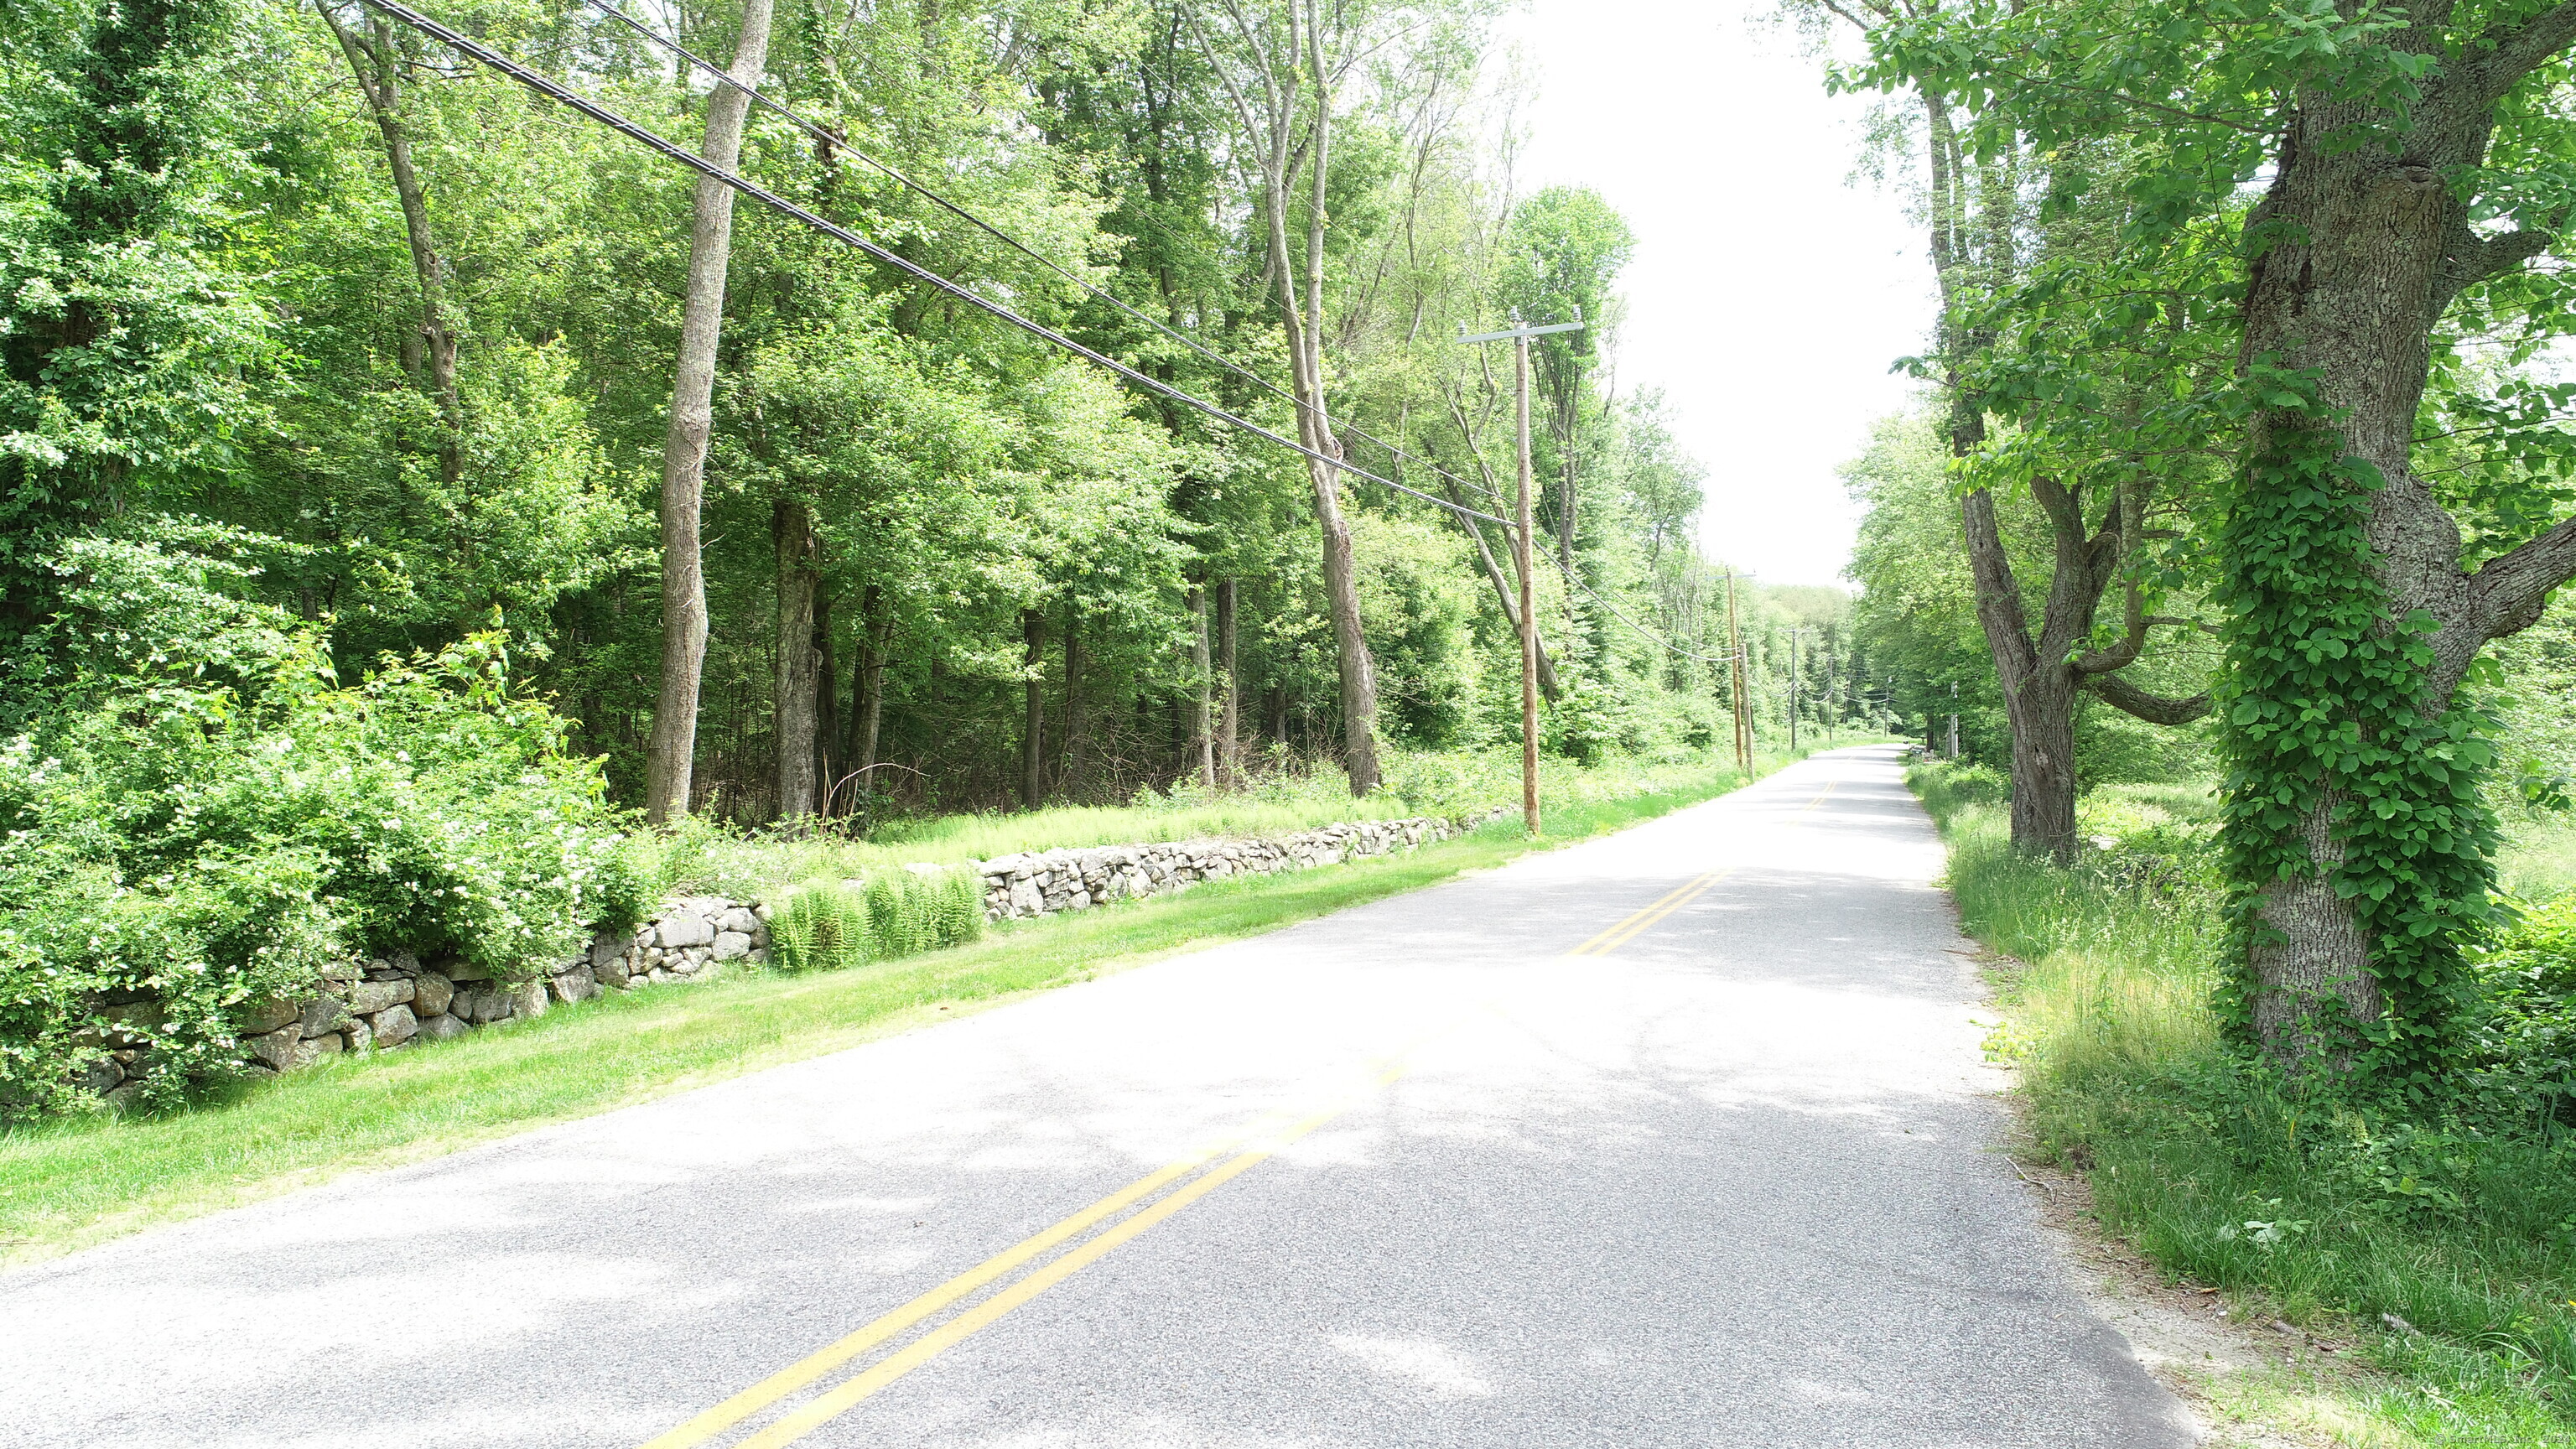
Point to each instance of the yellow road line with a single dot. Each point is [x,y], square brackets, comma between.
[796,1376]
[966,1325]
[873,1379]
[1602,941]
[1627,929]
[789,1380]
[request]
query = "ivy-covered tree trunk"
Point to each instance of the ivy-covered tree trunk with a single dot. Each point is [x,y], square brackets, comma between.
[2359,848]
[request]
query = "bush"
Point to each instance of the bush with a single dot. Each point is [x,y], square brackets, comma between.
[821,926]
[826,925]
[204,816]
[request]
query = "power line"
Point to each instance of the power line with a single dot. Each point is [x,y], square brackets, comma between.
[1577,582]
[556,91]
[753,94]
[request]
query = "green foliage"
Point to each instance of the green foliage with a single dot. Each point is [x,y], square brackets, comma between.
[829,925]
[820,926]
[2324,709]
[208,816]
[2453,1216]
[910,912]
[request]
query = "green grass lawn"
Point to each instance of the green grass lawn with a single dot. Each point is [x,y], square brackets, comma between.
[70,1182]
[2465,1233]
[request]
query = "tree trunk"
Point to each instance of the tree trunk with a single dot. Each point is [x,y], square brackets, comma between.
[1033,726]
[671,756]
[1229,742]
[792,526]
[828,732]
[1202,692]
[2043,764]
[373,61]
[876,642]
[2368,250]
[1077,735]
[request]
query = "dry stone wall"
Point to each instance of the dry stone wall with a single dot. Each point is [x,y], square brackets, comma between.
[385,1003]
[1044,883]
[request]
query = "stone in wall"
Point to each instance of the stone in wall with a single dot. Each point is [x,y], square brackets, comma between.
[1044,883]
[385,1003]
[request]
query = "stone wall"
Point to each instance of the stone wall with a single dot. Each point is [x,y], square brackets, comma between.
[382,1003]
[1044,883]
[385,1002]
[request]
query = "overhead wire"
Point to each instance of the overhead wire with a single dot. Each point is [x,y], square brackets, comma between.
[837,142]
[564,95]
[1575,581]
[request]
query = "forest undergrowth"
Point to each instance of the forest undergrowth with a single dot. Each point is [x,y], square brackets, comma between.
[2428,1246]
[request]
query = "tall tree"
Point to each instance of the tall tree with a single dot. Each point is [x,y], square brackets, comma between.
[1982,230]
[376,62]
[1283,70]
[2396,141]
[672,756]
[125,343]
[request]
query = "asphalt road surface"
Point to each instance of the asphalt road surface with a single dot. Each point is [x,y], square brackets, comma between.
[1680,1137]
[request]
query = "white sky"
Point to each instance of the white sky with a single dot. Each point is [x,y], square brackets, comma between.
[1769,291]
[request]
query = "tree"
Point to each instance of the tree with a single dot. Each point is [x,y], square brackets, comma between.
[2358,847]
[673,753]
[1283,72]
[127,344]
[1990,246]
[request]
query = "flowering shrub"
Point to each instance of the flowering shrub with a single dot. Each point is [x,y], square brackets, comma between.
[204,816]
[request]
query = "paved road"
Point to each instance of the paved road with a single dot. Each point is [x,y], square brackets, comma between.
[1675,1138]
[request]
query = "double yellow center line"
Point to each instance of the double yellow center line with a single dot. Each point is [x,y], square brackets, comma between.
[1620,934]
[1143,1203]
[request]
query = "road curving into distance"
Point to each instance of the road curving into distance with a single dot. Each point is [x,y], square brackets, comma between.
[1679,1137]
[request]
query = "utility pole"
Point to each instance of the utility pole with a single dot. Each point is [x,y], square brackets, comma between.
[1793,687]
[1833,700]
[1519,336]
[1736,680]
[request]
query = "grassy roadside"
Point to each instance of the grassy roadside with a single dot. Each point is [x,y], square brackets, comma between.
[2462,1233]
[68,1183]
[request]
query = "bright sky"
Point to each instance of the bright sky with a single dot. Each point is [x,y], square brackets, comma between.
[1769,291]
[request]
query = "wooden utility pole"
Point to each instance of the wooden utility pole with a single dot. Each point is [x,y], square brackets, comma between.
[1519,336]
[1529,601]
[1833,700]
[1793,687]
[1736,682]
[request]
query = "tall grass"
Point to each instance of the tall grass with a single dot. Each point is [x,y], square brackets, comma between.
[2298,1203]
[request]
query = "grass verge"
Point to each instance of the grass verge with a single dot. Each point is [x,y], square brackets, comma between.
[2431,1262]
[68,1183]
